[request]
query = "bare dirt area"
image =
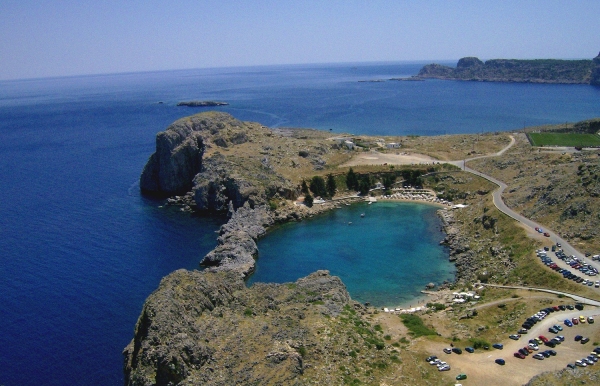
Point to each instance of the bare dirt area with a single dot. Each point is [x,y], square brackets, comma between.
[400,158]
[480,367]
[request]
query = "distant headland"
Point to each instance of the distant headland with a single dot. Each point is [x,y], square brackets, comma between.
[518,71]
[202,103]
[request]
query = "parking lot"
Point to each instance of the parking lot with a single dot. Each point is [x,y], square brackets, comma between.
[481,368]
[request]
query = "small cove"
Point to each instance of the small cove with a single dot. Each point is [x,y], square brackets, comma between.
[385,258]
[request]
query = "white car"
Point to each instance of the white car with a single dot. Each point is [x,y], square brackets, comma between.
[534,347]
[581,363]
[435,362]
[444,368]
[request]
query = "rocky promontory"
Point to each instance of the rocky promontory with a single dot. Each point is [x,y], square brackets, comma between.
[207,328]
[517,70]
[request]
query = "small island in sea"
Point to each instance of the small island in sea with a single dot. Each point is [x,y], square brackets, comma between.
[207,327]
[202,103]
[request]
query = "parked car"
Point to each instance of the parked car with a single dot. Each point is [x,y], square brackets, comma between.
[514,336]
[538,356]
[430,358]
[456,350]
[444,368]
[580,363]
[553,330]
[470,349]
[534,347]
[546,234]
[571,366]
[582,319]
[543,338]
[447,350]
[552,352]
[519,355]
[585,340]
[460,377]
[578,338]
[500,361]
[568,323]
[498,346]
[559,328]
[575,321]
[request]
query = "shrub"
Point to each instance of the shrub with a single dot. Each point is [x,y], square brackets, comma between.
[479,343]
[415,325]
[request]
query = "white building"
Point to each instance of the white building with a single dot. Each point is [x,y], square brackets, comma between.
[392,145]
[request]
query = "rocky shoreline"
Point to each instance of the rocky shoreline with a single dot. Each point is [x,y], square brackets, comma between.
[552,71]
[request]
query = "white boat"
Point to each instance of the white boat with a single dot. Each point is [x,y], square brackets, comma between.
[362,215]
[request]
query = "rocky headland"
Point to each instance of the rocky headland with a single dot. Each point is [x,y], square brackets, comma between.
[520,71]
[207,328]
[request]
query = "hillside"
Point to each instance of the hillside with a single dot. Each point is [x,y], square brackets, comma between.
[521,71]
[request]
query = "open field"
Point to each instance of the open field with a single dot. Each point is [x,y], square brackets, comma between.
[564,139]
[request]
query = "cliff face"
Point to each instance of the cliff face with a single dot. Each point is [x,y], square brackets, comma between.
[512,70]
[595,77]
[206,328]
[188,158]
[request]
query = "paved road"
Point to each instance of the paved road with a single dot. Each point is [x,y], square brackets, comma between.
[567,248]
[577,298]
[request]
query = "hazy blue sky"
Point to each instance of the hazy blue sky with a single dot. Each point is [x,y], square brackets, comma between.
[40,38]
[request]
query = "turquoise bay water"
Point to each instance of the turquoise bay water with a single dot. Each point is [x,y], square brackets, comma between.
[385,257]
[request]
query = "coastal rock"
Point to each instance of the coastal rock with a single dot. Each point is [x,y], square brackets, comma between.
[177,159]
[179,151]
[595,77]
[513,70]
[207,328]
[237,248]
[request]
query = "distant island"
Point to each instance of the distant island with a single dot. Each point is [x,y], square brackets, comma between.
[202,103]
[519,71]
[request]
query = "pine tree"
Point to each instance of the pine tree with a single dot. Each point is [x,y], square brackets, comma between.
[331,186]
[308,200]
[351,180]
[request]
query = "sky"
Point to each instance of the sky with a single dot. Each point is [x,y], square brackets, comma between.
[46,38]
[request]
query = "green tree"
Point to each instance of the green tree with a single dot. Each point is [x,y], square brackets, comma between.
[351,180]
[331,186]
[388,181]
[317,186]
[304,187]
[308,200]
[364,184]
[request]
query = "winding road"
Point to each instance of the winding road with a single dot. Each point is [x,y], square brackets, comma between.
[567,248]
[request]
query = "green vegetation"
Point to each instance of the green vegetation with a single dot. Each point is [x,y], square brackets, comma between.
[308,200]
[416,326]
[479,343]
[436,306]
[331,185]
[563,139]
[317,186]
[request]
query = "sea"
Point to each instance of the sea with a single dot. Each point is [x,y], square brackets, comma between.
[81,249]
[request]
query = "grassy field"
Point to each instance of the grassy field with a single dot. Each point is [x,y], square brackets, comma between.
[564,139]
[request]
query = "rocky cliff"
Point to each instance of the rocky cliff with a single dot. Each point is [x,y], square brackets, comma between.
[207,328]
[193,155]
[513,70]
[595,77]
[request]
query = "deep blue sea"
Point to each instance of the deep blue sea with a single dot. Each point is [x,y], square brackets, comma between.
[81,249]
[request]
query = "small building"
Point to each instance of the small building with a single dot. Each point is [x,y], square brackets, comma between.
[349,144]
[392,145]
